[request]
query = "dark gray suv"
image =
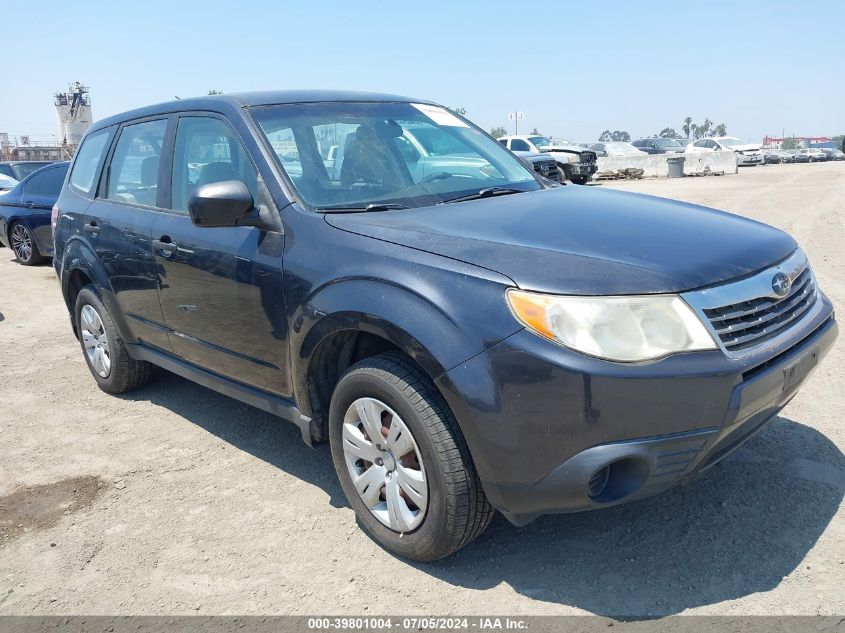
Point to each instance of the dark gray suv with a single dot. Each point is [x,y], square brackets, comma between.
[465,334]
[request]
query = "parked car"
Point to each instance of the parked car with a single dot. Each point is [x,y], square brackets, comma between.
[20,169]
[833,153]
[575,163]
[683,142]
[771,156]
[798,156]
[7,182]
[464,343]
[25,214]
[616,148]
[814,155]
[658,146]
[747,154]
[543,164]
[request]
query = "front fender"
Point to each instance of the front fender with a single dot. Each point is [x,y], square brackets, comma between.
[424,326]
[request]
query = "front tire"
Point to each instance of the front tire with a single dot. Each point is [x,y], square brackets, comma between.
[402,461]
[23,245]
[104,351]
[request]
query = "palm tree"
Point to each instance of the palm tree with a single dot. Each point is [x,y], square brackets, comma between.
[687,124]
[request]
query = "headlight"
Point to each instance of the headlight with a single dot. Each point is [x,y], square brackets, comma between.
[614,328]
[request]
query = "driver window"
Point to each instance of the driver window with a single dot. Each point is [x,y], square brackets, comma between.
[518,145]
[208,151]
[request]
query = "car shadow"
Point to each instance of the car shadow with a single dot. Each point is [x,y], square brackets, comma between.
[263,435]
[737,530]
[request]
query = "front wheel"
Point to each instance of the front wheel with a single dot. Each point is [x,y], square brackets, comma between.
[580,180]
[24,246]
[402,461]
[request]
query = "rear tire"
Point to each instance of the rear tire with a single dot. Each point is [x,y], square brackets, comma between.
[23,245]
[104,351]
[455,510]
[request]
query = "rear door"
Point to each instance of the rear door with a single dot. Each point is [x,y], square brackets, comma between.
[221,288]
[118,225]
[40,193]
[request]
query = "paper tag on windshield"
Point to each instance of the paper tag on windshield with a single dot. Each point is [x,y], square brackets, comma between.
[439,115]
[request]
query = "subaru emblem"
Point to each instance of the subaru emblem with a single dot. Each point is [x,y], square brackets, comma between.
[781,284]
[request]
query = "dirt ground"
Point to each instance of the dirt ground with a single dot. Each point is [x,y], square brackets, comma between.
[175,499]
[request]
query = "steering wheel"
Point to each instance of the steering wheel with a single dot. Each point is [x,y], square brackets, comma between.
[443,175]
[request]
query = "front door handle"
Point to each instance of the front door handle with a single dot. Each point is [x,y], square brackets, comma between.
[165,247]
[92,229]
[29,204]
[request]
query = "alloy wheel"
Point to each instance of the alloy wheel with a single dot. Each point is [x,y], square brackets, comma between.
[385,464]
[21,242]
[95,341]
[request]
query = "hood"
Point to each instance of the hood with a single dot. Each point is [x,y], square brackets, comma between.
[582,240]
[534,157]
[746,148]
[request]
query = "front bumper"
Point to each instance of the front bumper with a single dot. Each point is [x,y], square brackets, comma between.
[541,421]
[584,169]
[750,159]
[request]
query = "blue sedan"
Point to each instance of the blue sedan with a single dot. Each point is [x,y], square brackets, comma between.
[25,214]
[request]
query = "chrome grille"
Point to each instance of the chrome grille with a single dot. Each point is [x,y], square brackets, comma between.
[750,323]
[746,315]
[547,169]
[587,158]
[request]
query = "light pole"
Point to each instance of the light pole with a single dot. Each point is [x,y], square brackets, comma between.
[516,117]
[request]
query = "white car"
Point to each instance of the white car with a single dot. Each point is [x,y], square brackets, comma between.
[815,155]
[7,182]
[746,153]
[575,163]
[617,148]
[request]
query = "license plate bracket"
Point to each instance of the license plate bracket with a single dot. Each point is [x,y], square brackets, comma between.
[796,371]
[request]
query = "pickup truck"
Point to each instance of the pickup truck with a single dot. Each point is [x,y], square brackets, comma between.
[574,162]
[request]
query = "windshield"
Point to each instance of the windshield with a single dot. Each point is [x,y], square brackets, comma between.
[666,142]
[22,170]
[731,142]
[352,155]
[540,141]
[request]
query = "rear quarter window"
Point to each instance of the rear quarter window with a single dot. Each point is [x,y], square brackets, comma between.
[86,165]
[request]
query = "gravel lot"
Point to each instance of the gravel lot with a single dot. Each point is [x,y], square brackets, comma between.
[174,499]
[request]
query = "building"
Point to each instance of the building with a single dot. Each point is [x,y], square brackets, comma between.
[773,142]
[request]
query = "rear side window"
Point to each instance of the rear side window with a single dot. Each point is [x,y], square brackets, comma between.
[133,172]
[46,183]
[518,145]
[87,161]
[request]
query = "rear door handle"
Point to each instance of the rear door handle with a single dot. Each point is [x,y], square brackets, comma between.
[29,204]
[165,247]
[92,228]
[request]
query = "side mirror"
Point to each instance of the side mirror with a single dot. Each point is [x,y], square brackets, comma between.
[226,203]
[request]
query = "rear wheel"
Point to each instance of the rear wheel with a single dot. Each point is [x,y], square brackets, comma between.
[105,352]
[24,246]
[402,461]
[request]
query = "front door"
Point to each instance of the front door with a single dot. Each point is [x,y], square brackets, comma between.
[221,288]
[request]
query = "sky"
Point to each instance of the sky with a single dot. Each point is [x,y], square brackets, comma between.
[573,68]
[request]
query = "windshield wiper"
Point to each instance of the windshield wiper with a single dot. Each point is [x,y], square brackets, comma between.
[489,192]
[377,206]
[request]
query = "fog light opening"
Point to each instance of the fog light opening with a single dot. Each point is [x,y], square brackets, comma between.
[617,480]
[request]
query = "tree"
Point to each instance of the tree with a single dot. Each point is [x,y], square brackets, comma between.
[687,126]
[668,132]
[215,92]
[616,135]
[839,139]
[535,131]
[720,130]
[790,143]
[498,132]
[460,111]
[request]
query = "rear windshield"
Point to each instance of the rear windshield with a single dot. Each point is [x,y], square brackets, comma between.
[22,170]
[351,155]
